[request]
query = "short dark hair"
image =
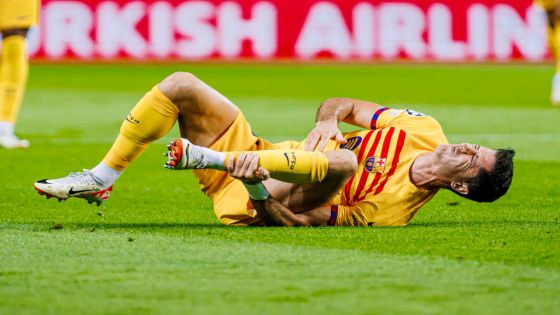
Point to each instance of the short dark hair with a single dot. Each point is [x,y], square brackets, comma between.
[487,186]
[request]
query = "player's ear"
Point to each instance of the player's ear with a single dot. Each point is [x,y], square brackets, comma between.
[460,187]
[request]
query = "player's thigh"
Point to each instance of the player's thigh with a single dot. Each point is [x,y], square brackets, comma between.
[206,111]
[300,198]
[205,114]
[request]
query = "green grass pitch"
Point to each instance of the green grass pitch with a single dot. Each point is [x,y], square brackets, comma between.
[156,247]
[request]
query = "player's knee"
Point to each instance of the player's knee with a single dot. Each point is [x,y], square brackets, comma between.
[554,18]
[179,86]
[342,163]
[14,32]
[350,162]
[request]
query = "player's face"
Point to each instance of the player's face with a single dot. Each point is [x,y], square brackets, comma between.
[463,161]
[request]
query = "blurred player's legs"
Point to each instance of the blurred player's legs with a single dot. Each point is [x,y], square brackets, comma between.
[552,8]
[16,16]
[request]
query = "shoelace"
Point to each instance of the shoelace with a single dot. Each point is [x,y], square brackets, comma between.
[196,155]
[84,177]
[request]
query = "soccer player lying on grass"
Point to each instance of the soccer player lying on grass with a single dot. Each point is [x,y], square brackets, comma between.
[378,176]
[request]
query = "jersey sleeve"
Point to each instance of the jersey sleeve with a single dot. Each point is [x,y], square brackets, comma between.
[406,119]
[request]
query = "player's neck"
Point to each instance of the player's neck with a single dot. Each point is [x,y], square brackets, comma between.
[424,172]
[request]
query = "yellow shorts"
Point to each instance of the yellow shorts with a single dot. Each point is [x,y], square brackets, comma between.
[230,198]
[19,13]
[547,4]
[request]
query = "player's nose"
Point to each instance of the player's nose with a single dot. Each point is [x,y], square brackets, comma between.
[468,148]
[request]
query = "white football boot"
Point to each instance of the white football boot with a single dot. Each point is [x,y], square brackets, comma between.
[183,155]
[12,142]
[555,94]
[80,185]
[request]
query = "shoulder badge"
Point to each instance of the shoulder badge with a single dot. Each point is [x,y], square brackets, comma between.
[352,143]
[411,112]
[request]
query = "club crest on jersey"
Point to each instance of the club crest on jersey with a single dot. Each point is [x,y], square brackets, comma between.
[375,164]
[352,143]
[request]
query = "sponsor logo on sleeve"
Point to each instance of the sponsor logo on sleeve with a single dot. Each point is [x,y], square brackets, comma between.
[352,143]
[411,112]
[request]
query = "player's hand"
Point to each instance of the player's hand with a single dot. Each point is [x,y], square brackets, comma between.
[247,168]
[321,134]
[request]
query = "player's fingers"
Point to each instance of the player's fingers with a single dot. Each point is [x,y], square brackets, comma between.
[246,164]
[230,166]
[251,170]
[313,139]
[340,138]
[323,143]
[239,163]
[311,143]
[263,173]
[307,144]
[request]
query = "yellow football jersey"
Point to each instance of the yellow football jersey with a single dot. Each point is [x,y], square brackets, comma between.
[381,193]
[19,13]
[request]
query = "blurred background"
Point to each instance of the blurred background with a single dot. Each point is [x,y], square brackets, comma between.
[94,59]
[414,30]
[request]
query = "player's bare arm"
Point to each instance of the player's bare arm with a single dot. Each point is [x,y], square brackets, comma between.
[273,213]
[334,110]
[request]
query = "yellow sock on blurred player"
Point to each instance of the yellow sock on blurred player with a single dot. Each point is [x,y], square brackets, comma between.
[294,166]
[13,76]
[150,119]
[551,39]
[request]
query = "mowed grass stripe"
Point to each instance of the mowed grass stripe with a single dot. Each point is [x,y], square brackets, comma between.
[185,273]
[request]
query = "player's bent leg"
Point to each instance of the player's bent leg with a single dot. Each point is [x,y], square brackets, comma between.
[13,77]
[180,96]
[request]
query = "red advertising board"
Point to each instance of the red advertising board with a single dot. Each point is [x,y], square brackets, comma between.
[446,30]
